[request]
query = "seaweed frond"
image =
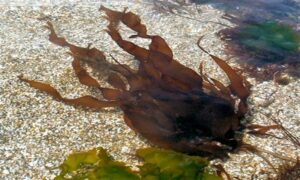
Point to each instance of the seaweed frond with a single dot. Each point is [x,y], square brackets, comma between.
[158,164]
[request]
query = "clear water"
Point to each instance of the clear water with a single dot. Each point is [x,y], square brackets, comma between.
[282,10]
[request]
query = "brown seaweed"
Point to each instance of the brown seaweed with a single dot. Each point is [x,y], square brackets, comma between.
[167,103]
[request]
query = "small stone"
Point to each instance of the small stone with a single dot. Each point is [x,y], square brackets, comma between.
[5,171]
[125,149]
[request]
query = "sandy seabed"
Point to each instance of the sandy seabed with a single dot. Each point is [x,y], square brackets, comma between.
[38,132]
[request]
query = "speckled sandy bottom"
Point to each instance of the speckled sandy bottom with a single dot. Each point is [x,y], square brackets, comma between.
[37,132]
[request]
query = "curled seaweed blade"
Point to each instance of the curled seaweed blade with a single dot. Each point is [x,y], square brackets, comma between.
[82,74]
[139,53]
[133,21]
[238,83]
[236,80]
[128,18]
[54,38]
[85,101]
[83,54]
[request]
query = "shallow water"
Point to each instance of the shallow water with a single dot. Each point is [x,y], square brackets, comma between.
[37,132]
[282,10]
[266,35]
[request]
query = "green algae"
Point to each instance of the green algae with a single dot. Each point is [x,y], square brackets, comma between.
[263,48]
[263,42]
[94,164]
[165,164]
[158,164]
[270,37]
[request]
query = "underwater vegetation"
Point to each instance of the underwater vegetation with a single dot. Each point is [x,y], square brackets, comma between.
[271,46]
[263,39]
[169,104]
[158,164]
[269,42]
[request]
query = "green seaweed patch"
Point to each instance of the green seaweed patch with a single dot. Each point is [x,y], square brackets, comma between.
[158,164]
[266,42]
[263,48]
[163,164]
[270,36]
[94,164]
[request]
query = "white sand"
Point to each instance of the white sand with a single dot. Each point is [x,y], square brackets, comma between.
[38,132]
